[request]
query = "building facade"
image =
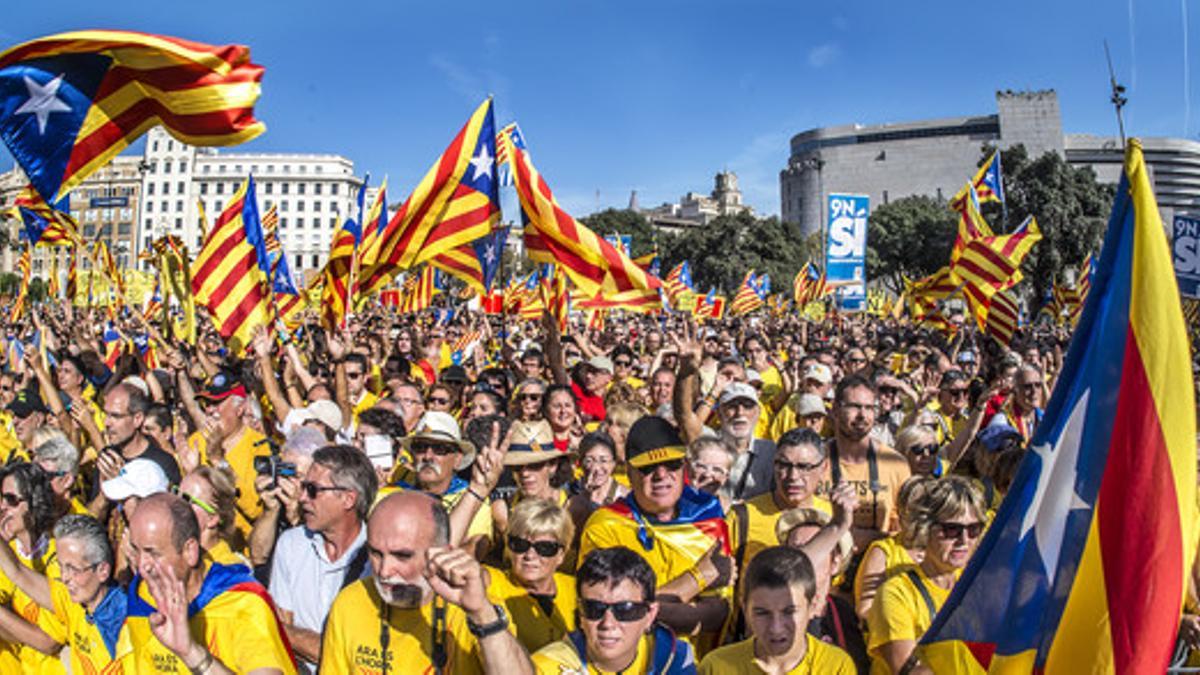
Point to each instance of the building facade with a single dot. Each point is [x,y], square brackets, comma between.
[937,157]
[695,209]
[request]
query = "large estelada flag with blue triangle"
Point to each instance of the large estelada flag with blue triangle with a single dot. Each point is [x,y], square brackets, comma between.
[1085,567]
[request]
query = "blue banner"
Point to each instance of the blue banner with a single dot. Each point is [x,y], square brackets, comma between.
[1185,251]
[846,250]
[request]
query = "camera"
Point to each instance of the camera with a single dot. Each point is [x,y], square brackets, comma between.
[274,467]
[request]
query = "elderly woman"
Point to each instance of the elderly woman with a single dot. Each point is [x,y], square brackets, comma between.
[212,494]
[886,555]
[709,460]
[919,445]
[948,526]
[597,485]
[540,602]
[526,404]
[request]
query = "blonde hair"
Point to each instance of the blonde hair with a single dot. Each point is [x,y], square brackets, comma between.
[624,413]
[44,434]
[911,435]
[945,498]
[224,499]
[541,517]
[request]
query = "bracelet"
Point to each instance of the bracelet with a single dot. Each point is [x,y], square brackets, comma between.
[471,491]
[204,664]
[698,576]
[489,629]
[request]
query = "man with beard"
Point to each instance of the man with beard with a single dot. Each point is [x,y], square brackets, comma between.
[425,609]
[739,410]
[875,470]
[125,409]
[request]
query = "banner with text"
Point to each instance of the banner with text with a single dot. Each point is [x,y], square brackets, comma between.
[846,250]
[1185,249]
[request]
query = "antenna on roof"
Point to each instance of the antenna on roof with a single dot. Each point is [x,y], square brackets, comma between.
[1118,94]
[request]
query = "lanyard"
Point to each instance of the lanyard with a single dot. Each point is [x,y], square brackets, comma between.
[835,469]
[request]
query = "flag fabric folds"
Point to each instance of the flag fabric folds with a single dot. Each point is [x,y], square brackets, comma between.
[335,297]
[227,275]
[594,265]
[71,102]
[1085,567]
[456,203]
[41,223]
[751,293]
[73,274]
[23,267]
[678,282]
[987,184]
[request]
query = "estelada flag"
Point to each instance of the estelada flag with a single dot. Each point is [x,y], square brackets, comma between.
[1085,567]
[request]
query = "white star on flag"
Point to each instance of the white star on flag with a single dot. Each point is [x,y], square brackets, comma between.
[43,100]
[489,253]
[1055,497]
[482,163]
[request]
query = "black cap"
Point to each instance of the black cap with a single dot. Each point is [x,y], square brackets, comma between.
[26,403]
[455,373]
[223,385]
[653,440]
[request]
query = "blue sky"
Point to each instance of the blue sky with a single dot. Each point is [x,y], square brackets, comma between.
[659,95]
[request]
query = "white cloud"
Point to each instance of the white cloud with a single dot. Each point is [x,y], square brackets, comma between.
[472,85]
[823,55]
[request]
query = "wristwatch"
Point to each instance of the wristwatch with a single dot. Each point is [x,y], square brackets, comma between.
[486,630]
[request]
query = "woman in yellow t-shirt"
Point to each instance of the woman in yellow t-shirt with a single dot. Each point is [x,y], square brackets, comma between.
[539,601]
[947,524]
[884,556]
[212,494]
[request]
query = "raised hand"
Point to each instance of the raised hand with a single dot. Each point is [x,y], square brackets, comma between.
[458,578]
[170,621]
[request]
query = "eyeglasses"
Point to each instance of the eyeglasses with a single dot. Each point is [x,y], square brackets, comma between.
[312,489]
[65,570]
[546,549]
[622,362]
[536,466]
[956,530]
[924,450]
[531,396]
[12,500]
[958,392]
[700,467]
[742,403]
[437,400]
[118,415]
[1030,386]
[196,501]
[354,375]
[671,465]
[439,449]
[624,611]
[784,467]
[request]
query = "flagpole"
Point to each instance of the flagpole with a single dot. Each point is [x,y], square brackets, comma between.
[1118,98]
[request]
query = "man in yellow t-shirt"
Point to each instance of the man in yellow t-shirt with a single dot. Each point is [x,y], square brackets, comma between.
[779,589]
[208,617]
[225,405]
[361,398]
[86,601]
[617,630]
[426,604]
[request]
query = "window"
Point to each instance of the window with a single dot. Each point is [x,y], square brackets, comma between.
[333,222]
[166,188]
[269,204]
[317,189]
[333,189]
[125,229]
[283,188]
[182,166]
[179,205]
[299,204]
[170,146]
[318,168]
[155,149]
[299,188]
[165,205]
[303,168]
[283,222]
[316,206]
[238,169]
[167,166]
[270,168]
[108,214]
[181,188]
[149,188]
[300,222]
[149,223]
[299,261]
[89,230]
[149,207]
[126,214]
[287,168]
[204,188]
[283,206]
[179,223]
[885,196]
[207,168]
[316,260]
[222,168]
[220,188]
[269,188]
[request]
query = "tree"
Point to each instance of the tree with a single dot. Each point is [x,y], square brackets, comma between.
[910,237]
[724,249]
[624,221]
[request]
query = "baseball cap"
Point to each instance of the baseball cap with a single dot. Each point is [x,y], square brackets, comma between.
[138,478]
[995,436]
[601,363]
[223,385]
[324,411]
[819,372]
[26,403]
[653,440]
[454,373]
[738,390]
[810,404]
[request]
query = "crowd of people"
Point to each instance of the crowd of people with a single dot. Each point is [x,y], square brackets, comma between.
[409,495]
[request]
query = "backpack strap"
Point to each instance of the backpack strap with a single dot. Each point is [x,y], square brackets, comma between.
[742,517]
[358,564]
[916,581]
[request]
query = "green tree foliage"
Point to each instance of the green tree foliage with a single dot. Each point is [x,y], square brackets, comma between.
[9,283]
[910,237]
[722,251]
[623,221]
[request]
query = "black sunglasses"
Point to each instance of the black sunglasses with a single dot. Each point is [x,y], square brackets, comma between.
[955,530]
[546,549]
[923,450]
[439,449]
[11,499]
[312,489]
[624,611]
[671,465]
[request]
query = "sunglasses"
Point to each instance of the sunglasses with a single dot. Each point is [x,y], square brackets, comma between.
[956,530]
[439,449]
[311,490]
[531,396]
[958,393]
[622,362]
[671,465]
[924,450]
[624,611]
[353,375]
[437,400]
[196,501]
[12,500]
[546,549]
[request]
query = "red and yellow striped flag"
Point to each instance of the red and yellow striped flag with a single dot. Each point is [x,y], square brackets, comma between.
[226,277]
[72,273]
[24,267]
[991,264]
[336,277]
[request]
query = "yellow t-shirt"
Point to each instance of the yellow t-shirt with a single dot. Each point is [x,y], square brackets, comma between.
[560,658]
[481,522]
[367,402]
[89,653]
[947,426]
[875,509]
[23,658]
[9,443]
[738,659]
[241,460]
[527,620]
[895,557]
[351,643]
[239,627]
[763,513]
[900,613]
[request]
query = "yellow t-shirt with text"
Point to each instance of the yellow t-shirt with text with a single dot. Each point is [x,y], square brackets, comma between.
[738,659]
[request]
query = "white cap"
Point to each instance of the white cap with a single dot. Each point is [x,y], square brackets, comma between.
[738,390]
[324,411]
[138,478]
[809,404]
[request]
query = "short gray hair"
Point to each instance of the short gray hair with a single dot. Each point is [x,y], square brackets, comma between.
[350,469]
[59,453]
[89,532]
[304,441]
